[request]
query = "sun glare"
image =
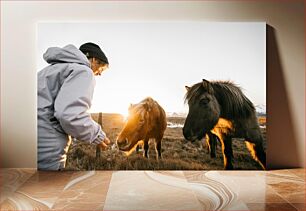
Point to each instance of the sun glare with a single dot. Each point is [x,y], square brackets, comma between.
[124,114]
[115,109]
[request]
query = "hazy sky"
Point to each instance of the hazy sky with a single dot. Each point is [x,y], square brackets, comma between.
[158,59]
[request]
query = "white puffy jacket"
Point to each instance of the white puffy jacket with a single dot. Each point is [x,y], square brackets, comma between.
[65,90]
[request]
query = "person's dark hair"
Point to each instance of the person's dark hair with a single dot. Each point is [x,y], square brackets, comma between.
[92,50]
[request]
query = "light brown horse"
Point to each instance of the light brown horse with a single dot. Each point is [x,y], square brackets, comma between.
[147,120]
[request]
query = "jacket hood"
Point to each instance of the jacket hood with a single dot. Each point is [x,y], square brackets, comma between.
[67,54]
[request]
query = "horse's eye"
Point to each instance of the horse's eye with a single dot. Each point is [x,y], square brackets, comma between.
[204,101]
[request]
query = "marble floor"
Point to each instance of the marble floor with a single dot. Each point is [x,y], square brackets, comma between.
[29,189]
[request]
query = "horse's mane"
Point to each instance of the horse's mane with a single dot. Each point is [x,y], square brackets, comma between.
[148,102]
[233,103]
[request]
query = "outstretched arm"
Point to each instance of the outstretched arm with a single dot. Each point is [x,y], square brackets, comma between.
[72,104]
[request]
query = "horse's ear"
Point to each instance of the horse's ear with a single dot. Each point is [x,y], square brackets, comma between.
[187,88]
[206,84]
[130,107]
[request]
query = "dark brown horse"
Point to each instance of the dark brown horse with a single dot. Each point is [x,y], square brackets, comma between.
[222,109]
[147,120]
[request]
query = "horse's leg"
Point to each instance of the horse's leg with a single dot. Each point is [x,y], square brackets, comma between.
[227,152]
[217,141]
[146,147]
[212,144]
[207,143]
[257,152]
[254,140]
[139,146]
[158,148]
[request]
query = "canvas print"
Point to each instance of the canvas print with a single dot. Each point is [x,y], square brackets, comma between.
[151,95]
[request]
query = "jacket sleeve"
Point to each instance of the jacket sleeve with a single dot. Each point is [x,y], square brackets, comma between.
[71,107]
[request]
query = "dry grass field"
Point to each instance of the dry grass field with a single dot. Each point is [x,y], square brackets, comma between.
[178,154]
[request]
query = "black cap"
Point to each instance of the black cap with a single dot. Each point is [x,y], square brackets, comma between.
[93,50]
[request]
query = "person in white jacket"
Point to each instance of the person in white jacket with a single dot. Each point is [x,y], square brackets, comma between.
[65,89]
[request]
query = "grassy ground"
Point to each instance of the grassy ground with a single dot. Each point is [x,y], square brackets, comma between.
[178,154]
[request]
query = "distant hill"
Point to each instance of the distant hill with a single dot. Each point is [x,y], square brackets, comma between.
[261,109]
[259,114]
[175,114]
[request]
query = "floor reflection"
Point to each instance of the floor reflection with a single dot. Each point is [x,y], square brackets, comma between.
[28,189]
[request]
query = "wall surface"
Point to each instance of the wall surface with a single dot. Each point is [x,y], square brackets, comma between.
[285,63]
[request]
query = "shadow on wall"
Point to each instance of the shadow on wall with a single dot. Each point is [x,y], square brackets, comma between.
[282,144]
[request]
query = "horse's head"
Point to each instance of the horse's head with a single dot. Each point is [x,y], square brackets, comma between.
[135,128]
[204,110]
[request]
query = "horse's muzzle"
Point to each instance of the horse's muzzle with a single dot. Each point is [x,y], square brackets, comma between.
[189,136]
[123,144]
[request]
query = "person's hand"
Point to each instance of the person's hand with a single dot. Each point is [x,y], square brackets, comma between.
[103,145]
